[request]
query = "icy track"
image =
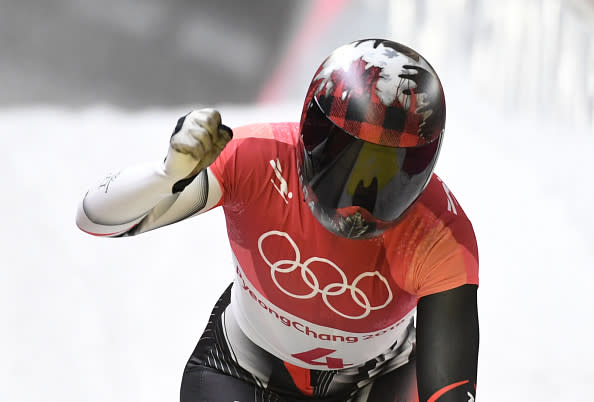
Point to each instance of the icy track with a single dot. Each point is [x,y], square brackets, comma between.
[114,320]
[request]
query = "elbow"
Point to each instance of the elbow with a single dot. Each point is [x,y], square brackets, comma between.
[87,225]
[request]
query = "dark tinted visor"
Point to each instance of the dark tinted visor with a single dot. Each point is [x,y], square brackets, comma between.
[344,171]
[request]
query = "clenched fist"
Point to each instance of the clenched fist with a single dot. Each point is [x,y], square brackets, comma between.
[198,138]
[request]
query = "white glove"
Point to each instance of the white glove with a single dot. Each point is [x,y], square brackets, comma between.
[198,139]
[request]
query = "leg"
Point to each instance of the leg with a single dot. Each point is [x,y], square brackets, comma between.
[203,384]
[212,374]
[399,385]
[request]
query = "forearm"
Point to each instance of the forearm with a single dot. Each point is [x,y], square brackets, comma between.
[121,200]
[447,345]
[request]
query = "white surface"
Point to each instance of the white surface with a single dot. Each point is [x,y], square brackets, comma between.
[89,319]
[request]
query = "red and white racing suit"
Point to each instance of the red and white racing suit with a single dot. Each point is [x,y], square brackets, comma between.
[314,301]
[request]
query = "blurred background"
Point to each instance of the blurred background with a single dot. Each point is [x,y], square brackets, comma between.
[523,56]
[88,87]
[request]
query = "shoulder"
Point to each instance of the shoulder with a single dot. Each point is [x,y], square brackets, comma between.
[243,166]
[440,204]
[285,132]
[441,250]
[437,209]
[257,139]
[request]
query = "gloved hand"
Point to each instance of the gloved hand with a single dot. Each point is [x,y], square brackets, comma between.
[198,138]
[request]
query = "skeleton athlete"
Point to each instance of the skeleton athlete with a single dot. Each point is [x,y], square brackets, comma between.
[356,269]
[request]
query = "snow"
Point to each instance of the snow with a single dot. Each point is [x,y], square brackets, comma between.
[89,319]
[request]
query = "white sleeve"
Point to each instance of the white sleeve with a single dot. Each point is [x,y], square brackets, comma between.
[142,198]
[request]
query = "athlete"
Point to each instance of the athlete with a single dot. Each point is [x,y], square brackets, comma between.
[356,269]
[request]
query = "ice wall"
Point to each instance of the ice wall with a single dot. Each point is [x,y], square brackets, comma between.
[529,58]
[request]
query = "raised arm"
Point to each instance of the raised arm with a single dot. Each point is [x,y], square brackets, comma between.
[142,198]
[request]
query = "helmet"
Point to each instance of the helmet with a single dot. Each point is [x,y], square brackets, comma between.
[371,129]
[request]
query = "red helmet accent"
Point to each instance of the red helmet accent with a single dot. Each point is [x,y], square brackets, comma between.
[381,92]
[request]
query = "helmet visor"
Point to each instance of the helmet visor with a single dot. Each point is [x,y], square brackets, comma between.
[344,171]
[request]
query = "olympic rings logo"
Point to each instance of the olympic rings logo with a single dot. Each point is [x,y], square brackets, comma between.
[310,279]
